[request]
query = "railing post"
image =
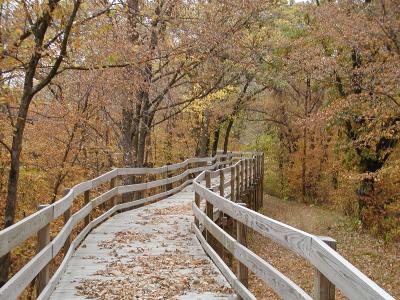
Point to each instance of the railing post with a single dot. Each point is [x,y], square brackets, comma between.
[67,215]
[254,174]
[187,177]
[246,174]
[221,183]
[242,270]
[114,200]
[197,202]
[323,288]
[233,178]
[43,237]
[209,206]
[262,179]
[237,178]
[231,221]
[242,182]
[87,200]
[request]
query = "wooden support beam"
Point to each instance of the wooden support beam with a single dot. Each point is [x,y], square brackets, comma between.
[197,202]
[262,179]
[242,186]
[323,288]
[209,207]
[221,183]
[237,182]
[241,233]
[233,179]
[43,237]
[87,200]
[113,200]
[246,174]
[67,216]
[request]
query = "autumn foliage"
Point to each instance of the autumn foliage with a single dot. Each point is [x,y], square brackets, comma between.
[90,85]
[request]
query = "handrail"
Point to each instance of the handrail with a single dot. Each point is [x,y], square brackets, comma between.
[19,232]
[353,283]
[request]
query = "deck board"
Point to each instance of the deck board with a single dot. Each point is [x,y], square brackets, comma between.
[144,254]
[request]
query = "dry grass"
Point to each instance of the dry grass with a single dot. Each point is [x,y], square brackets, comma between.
[373,257]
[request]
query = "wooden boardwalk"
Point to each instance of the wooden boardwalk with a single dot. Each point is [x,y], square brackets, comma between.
[158,252]
[145,253]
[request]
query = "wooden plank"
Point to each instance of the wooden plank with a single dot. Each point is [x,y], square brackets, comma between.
[282,285]
[352,282]
[288,236]
[43,237]
[233,180]
[133,220]
[61,269]
[16,234]
[222,183]
[86,201]
[60,239]
[241,232]
[209,207]
[229,275]
[153,197]
[237,182]
[63,236]
[67,216]
[16,284]
[104,216]
[323,288]
[337,269]
[81,188]
[63,204]
[104,178]
[104,197]
[114,199]
[246,174]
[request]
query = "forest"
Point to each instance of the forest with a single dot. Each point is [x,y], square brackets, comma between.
[90,85]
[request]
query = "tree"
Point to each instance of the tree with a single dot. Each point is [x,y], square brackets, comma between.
[32,56]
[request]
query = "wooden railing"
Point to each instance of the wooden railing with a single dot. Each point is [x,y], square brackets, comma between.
[238,205]
[39,222]
[236,196]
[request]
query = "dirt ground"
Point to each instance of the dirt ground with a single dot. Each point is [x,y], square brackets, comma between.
[373,257]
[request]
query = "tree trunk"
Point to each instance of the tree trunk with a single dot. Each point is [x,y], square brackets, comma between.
[13,175]
[216,140]
[204,136]
[227,134]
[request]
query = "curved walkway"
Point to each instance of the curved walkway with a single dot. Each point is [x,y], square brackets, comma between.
[146,253]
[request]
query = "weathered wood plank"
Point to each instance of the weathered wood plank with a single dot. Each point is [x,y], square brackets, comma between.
[104,197]
[337,269]
[323,288]
[14,235]
[43,238]
[229,275]
[282,285]
[16,284]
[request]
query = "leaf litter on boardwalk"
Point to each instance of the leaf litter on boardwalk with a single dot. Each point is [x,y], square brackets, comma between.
[164,276]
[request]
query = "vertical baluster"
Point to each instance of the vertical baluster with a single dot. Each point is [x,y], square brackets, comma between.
[87,200]
[241,232]
[43,237]
[323,288]
[209,206]
[67,216]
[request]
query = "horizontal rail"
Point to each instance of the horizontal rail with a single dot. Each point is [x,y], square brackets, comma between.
[353,283]
[282,285]
[229,275]
[16,234]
